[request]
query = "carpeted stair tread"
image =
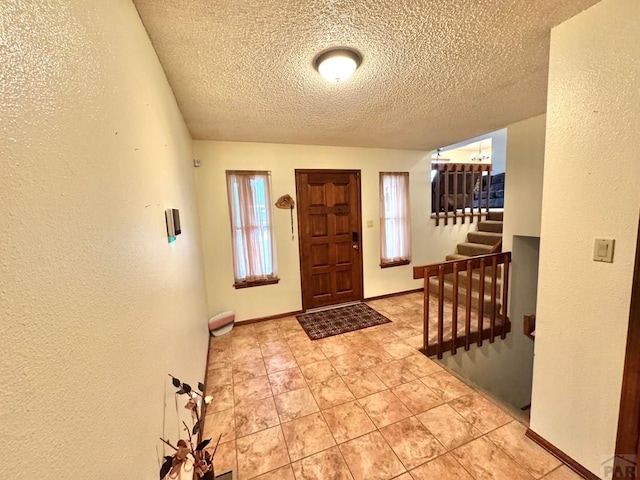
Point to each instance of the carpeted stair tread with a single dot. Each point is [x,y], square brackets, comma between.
[474,249]
[462,296]
[490,226]
[496,215]
[488,238]
[456,256]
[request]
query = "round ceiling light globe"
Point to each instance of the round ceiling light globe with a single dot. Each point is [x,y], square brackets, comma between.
[337,65]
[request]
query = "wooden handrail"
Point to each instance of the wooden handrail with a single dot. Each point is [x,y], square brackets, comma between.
[453,190]
[492,300]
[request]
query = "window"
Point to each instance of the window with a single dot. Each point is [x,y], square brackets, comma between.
[254,260]
[395,229]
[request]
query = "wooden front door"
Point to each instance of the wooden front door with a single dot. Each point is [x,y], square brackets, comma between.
[329,232]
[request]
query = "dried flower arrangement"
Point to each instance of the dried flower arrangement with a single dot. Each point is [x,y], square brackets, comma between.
[192,458]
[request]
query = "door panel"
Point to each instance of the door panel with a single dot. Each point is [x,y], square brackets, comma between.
[329,232]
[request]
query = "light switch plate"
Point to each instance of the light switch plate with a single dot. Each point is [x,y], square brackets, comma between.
[603,250]
[369,223]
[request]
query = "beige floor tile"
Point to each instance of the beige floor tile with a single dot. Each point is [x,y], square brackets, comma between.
[255,415]
[308,355]
[393,373]
[404,332]
[483,459]
[382,337]
[225,458]
[443,467]
[446,386]
[404,476]
[374,356]
[562,473]
[416,341]
[420,365]
[412,442]
[448,426]
[384,408]
[416,396]
[244,355]
[261,452]
[252,389]
[222,398]
[399,349]
[279,362]
[276,347]
[347,364]
[348,421]
[219,359]
[286,380]
[480,412]
[306,436]
[295,404]
[370,458]
[219,376]
[269,336]
[220,423]
[331,393]
[282,473]
[510,438]
[364,383]
[327,465]
[265,326]
[318,372]
[247,370]
[334,346]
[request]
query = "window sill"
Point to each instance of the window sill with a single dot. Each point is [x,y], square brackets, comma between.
[395,264]
[256,283]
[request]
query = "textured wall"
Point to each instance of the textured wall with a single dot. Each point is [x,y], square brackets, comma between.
[430,244]
[96,307]
[591,189]
[525,170]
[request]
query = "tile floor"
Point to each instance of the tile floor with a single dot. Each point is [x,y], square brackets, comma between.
[364,405]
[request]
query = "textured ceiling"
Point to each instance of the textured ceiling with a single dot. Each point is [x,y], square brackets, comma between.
[433,72]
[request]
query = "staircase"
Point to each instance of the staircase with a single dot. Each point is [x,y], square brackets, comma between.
[455,317]
[487,239]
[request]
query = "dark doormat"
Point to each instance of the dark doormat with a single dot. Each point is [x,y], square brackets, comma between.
[335,321]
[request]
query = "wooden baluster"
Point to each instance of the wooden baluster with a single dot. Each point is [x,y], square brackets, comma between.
[505,294]
[455,193]
[438,179]
[494,300]
[488,188]
[440,309]
[467,321]
[426,310]
[446,196]
[480,195]
[454,318]
[481,302]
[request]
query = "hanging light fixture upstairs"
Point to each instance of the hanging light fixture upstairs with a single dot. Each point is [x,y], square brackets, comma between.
[338,64]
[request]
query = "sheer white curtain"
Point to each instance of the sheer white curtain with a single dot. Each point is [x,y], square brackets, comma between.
[254,252]
[395,227]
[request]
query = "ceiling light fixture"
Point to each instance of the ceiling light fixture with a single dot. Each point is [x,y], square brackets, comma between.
[338,64]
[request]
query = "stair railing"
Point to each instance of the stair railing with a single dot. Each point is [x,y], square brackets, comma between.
[454,188]
[488,268]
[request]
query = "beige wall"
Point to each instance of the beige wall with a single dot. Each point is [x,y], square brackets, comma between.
[429,244]
[591,189]
[525,170]
[96,307]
